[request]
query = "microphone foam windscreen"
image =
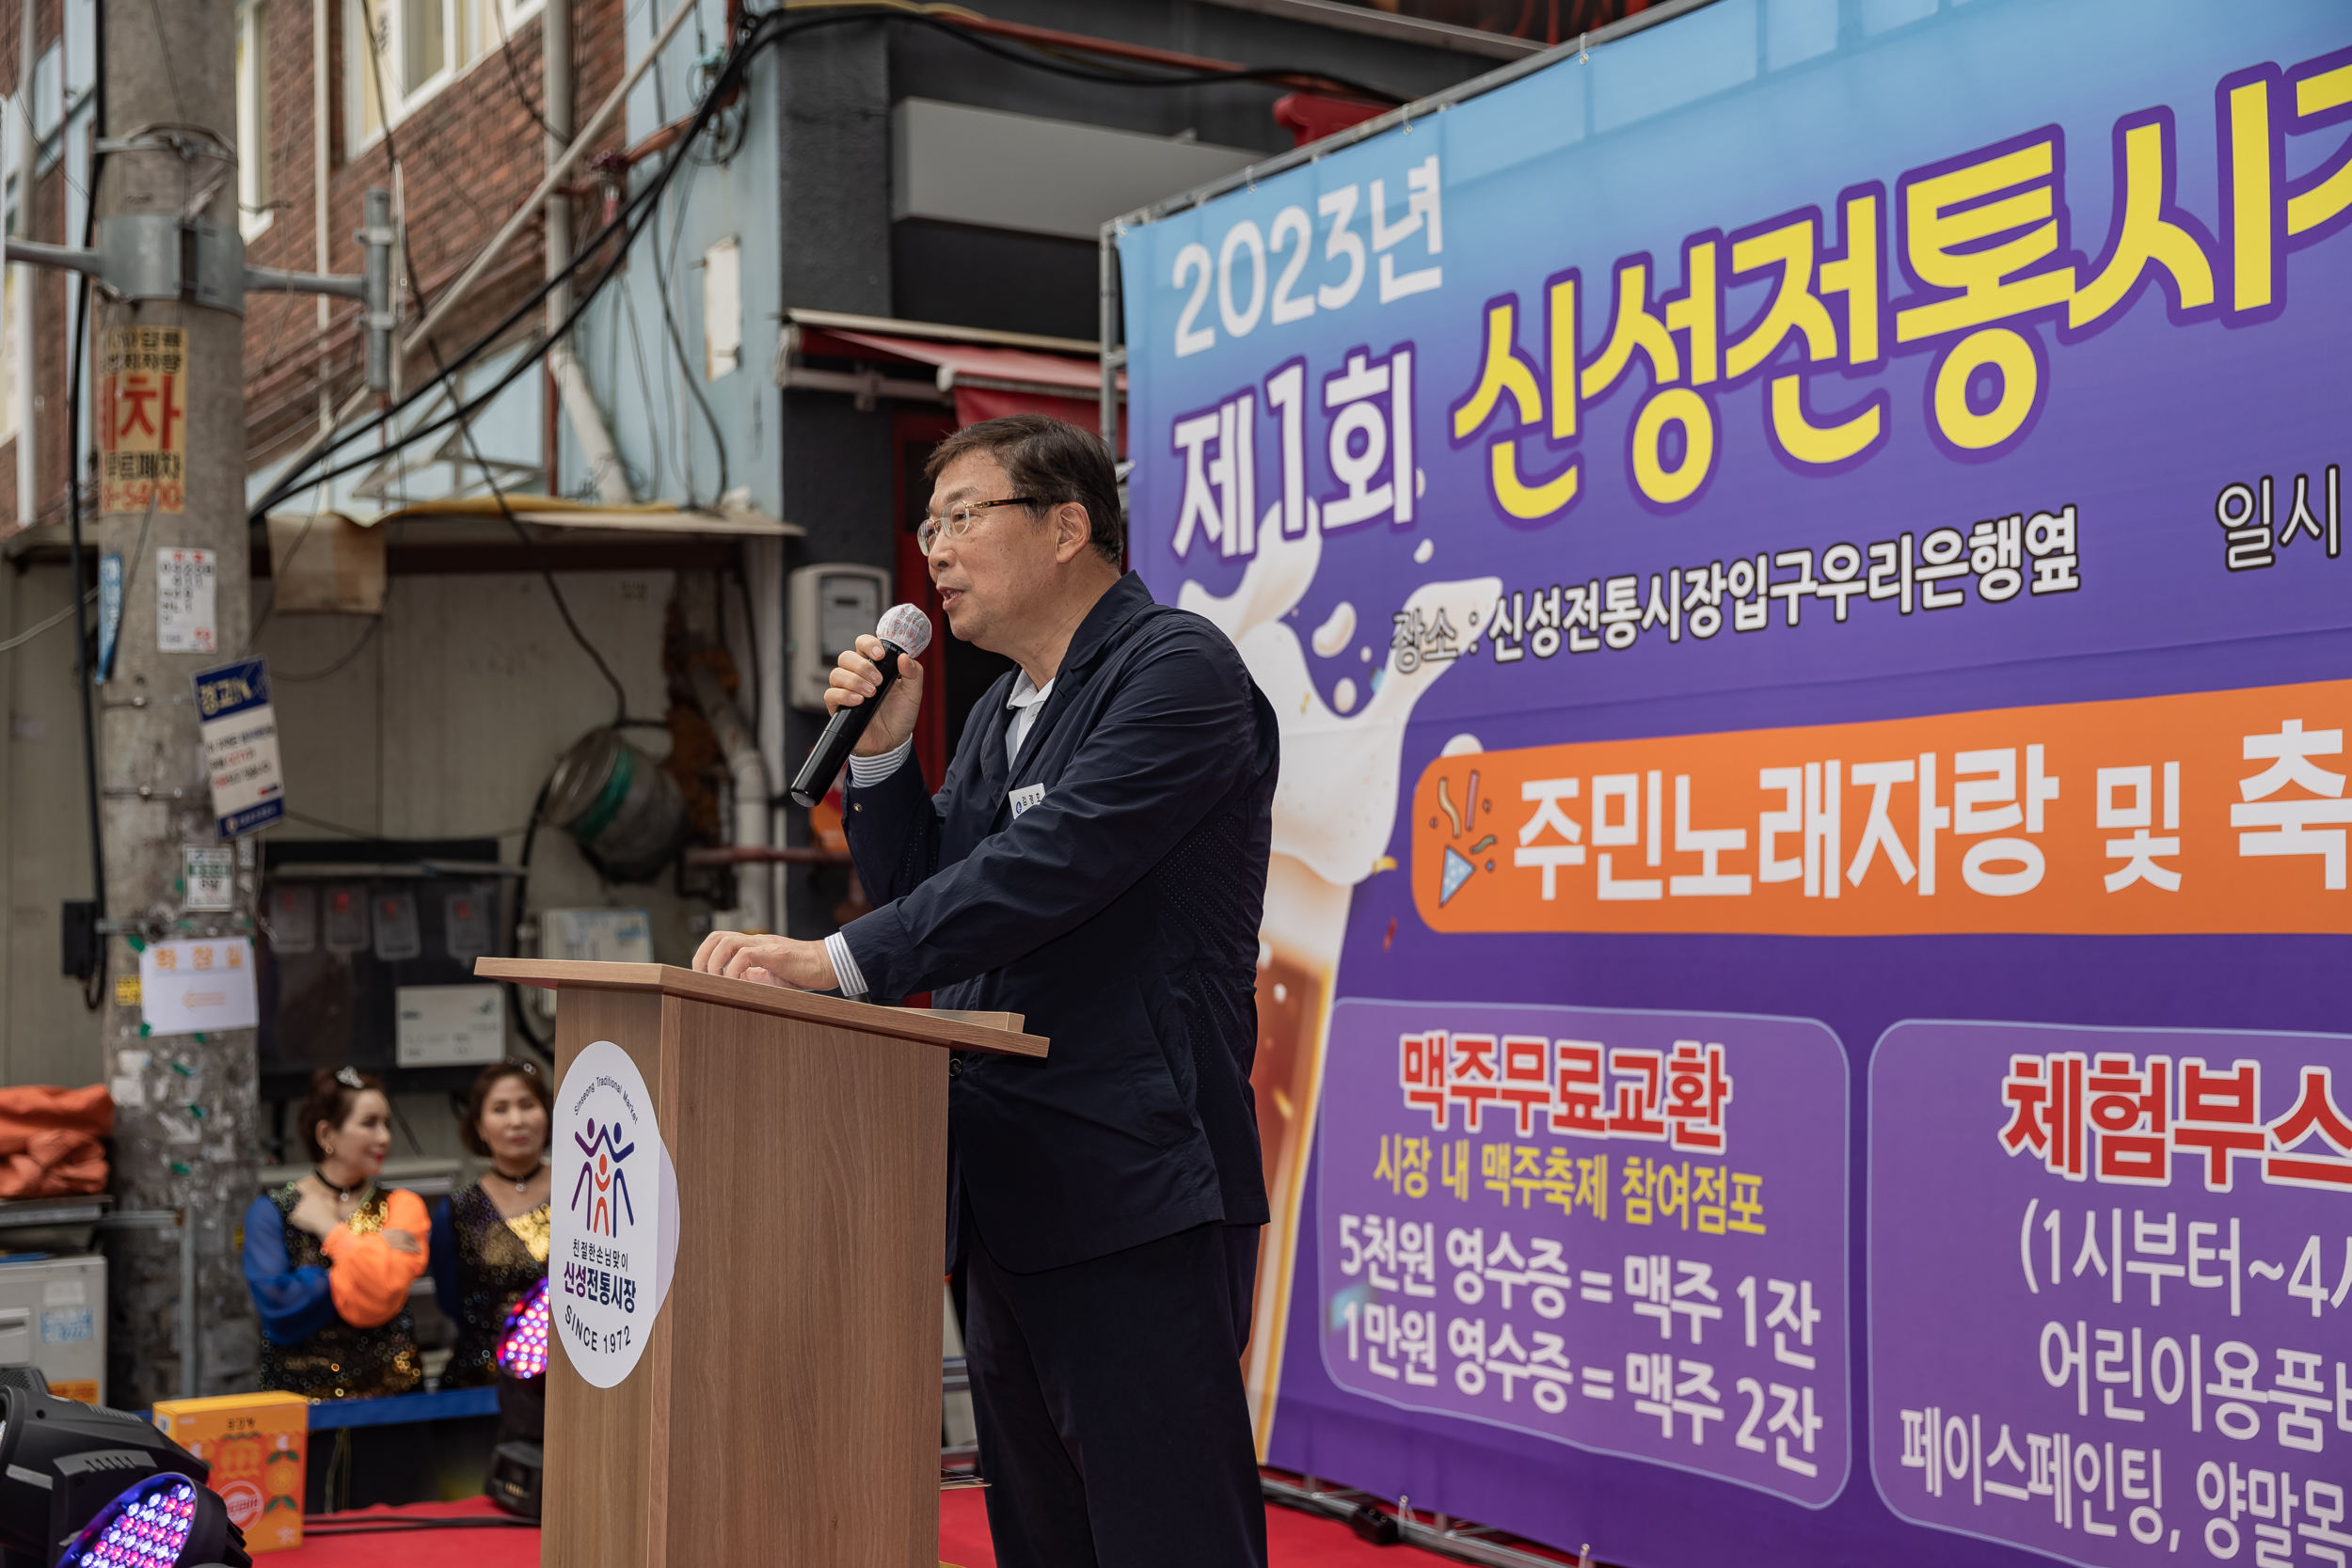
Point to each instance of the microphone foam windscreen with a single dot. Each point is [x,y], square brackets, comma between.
[906,625]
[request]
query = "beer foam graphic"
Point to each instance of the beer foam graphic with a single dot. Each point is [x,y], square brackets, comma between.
[1335,805]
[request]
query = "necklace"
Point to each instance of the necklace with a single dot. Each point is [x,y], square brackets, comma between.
[342,1194]
[522,1182]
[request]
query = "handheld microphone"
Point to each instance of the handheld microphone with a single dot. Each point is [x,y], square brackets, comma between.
[904,629]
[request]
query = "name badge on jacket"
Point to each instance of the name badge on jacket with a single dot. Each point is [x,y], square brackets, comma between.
[1022,800]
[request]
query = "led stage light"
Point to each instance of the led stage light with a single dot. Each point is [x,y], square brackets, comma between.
[63,1462]
[165,1521]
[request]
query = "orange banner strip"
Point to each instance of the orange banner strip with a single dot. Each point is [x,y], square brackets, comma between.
[2218,811]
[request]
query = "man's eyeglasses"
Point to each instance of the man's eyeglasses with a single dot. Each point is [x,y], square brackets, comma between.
[957,521]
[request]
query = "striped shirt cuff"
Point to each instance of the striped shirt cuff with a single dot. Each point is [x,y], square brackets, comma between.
[845,969]
[865,773]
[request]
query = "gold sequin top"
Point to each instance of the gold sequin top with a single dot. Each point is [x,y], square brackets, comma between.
[331,1360]
[483,1264]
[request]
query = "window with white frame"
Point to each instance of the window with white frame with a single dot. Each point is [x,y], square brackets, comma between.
[9,347]
[253,171]
[399,52]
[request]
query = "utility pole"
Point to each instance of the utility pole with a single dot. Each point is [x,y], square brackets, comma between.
[170,178]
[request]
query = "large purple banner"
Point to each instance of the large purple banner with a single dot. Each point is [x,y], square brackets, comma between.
[1624,1231]
[2129,1342]
[1669,500]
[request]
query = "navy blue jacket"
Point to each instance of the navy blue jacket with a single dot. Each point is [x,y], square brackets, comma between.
[1118,914]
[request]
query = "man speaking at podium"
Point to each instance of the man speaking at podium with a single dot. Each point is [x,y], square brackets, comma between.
[1097,862]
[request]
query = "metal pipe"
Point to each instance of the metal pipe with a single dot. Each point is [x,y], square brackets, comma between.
[762,854]
[32,253]
[555,96]
[752,790]
[563,369]
[376,257]
[277,280]
[190,1356]
[454,294]
[1404,115]
[27,152]
[322,234]
[1106,334]
[763,586]
[596,442]
[555,77]
[565,373]
[1446,1537]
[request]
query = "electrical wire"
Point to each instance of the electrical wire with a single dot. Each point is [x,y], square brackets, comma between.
[655,408]
[94,989]
[432,158]
[751,640]
[681,429]
[639,210]
[444,380]
[375,625]
[514,921]
[627,225]
[269,606]
[370,837]
[762,30]
[515,78]
[634,215]
[943,19]
[678,342]
[59,619]
[322,1526]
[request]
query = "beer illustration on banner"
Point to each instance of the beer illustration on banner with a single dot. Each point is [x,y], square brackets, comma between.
[615,1214]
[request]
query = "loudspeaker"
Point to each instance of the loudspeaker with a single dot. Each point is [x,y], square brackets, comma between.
[515,1476]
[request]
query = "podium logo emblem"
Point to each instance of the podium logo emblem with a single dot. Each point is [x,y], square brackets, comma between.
[603,1185]
[613,1234]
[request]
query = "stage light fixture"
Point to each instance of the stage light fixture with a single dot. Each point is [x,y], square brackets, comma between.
[523,1344]
[518,1462]
[61,1462]
[165,1521]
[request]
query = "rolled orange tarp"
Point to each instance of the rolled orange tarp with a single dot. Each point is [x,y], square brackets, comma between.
[50,1140]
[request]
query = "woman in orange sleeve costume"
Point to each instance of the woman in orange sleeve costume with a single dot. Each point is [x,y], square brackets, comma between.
[330,1257]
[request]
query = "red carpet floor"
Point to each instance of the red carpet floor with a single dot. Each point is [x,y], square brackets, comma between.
[1294,1540]
[492,1544]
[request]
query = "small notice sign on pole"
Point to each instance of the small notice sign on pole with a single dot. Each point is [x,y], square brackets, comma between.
[240,729]
[142,418]
[185,599]
[193,985]
[207,876]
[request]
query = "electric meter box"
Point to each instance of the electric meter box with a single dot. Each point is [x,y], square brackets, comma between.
[52,1315]
[829,608]
[597,935]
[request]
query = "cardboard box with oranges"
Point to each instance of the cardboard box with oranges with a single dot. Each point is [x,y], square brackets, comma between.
[256,1444]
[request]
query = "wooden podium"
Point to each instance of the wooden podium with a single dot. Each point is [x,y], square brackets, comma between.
[785,1409]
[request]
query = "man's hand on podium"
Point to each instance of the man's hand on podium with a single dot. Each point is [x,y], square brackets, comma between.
[770,960]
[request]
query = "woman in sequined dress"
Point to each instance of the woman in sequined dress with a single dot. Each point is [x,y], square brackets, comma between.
[490,1237]
[329,1257]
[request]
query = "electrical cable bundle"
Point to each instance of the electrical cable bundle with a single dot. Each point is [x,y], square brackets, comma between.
[759,31]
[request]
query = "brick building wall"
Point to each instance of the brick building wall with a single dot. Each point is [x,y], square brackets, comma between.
[468,156]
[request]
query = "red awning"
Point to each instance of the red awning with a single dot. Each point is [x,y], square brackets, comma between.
[1005,370]
[985,380]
